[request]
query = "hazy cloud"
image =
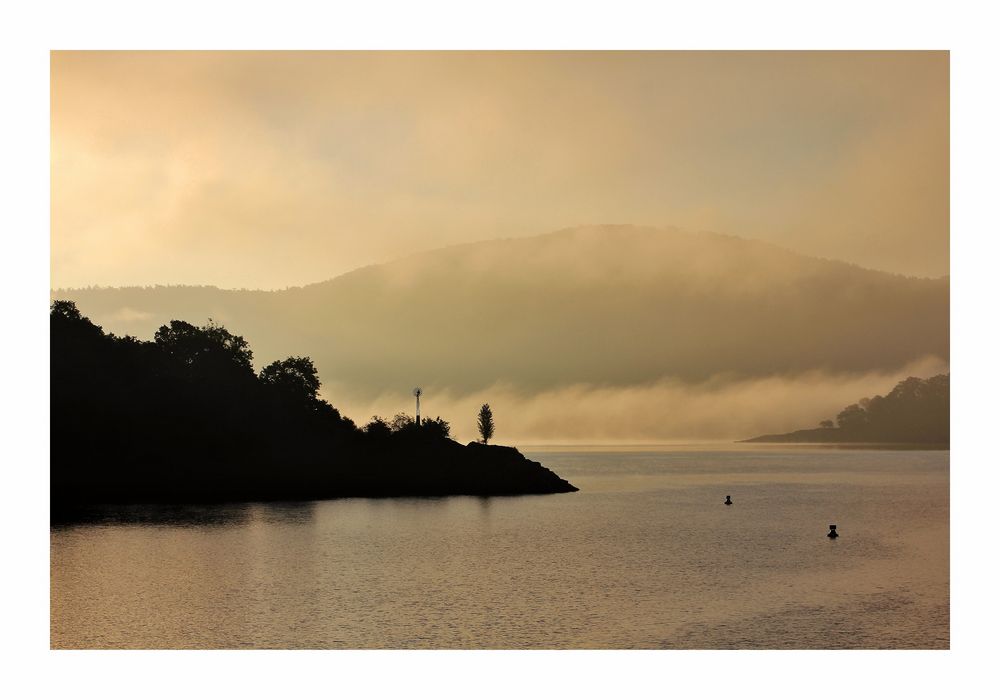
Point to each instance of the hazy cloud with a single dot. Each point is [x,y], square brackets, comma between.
[273,169]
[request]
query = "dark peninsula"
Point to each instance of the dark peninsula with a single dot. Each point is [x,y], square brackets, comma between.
[184,418]
[915,412]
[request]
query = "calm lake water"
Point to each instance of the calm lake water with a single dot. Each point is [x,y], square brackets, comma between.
[644,556]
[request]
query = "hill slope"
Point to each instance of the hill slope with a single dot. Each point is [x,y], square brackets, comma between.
[604,305]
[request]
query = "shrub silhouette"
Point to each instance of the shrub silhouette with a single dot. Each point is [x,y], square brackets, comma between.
[436,427]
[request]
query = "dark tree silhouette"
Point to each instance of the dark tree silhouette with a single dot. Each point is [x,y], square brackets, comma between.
[485,423]
[826,424]
[208,348]
[401,422]
[65,310]
[296,378]
[436,427]
[185,418]
[377,428]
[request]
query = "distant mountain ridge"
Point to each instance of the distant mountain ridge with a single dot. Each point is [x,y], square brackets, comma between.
[599,305]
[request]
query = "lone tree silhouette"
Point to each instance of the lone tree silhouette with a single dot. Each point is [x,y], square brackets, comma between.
[486,423]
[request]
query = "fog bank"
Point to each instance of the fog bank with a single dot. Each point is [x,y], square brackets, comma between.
[666,411]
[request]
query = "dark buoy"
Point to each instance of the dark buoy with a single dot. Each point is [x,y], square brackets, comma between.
[728,501]
[833,532]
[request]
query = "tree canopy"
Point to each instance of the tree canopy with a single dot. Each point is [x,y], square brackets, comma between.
[296,378]
[209,348]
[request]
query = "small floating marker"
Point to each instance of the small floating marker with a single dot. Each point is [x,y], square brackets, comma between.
[729,501]
[833,532]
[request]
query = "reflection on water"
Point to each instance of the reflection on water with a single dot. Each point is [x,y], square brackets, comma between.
[153,515]
[183,515]
[644,556]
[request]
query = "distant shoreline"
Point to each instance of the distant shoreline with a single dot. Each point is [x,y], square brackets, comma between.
[851,445]
[727,445]
[914,415]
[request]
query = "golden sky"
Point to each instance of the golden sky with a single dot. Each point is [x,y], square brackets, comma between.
[265,170]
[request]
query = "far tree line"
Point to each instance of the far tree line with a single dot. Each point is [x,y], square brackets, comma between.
[916,410]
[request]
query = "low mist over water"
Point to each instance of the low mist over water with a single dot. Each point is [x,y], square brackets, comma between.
[644,556]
